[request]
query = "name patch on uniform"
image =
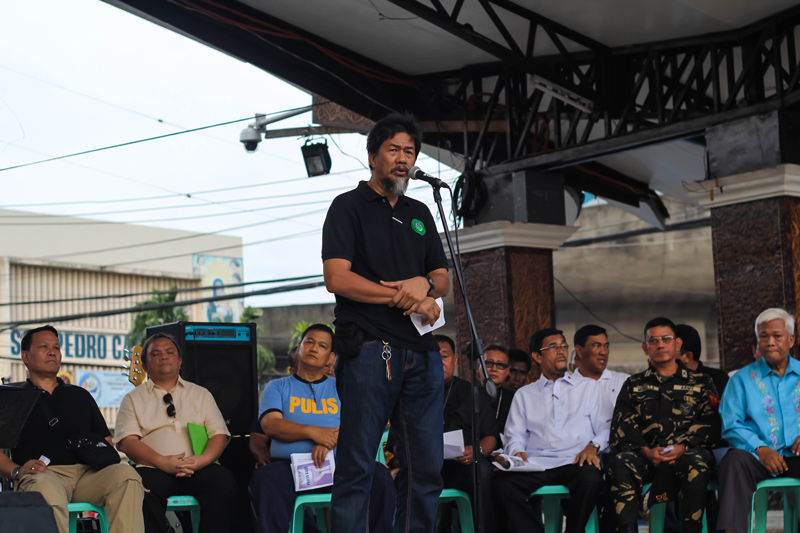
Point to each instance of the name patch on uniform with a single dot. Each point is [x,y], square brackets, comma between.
[640,388]
[695,388]
[418,226]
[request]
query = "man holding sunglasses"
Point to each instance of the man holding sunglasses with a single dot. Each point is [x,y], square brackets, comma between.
[152,431]
[663,430]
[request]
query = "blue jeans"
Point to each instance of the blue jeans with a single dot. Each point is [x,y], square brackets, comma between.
[413,402]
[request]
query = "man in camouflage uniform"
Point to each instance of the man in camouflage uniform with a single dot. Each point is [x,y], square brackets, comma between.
[664,425]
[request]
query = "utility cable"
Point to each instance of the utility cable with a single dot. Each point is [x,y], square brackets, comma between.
[157,293]
[167,305]
[180,194]
[176,239]
[129,143]
[592,312]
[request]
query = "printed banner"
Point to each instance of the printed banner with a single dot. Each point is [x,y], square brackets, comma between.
[217,271]
[107,387]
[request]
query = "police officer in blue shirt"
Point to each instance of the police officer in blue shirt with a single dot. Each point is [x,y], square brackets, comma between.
[300,413]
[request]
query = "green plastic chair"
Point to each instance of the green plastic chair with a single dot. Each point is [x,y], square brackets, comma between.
[75,509]
[322,500]
[551,506]
[463,508]
[758,509]
[659,510]
[309,500]
[186,503]
[381,458]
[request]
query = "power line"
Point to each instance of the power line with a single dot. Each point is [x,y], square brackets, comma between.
[592,312]
[156,292]
[129,143]
[176,239]
[54,221]
[153,307]
[180,194]
[274,239]
[162,208]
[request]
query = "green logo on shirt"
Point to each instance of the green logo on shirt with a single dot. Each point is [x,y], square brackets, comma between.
[418,226]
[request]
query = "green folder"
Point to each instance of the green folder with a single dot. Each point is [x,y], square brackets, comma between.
[199,437]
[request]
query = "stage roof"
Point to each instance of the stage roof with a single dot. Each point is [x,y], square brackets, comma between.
[527,80]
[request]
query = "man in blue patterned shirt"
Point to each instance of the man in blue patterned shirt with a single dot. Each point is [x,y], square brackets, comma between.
[760,420]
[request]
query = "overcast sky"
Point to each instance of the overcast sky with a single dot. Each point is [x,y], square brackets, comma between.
[82,74]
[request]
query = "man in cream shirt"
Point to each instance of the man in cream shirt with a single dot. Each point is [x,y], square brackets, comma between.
[152,431]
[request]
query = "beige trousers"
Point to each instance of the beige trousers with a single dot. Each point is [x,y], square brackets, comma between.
[118,488]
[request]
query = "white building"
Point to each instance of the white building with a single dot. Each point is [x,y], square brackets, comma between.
[62,261]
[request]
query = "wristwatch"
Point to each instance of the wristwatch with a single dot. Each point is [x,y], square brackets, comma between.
[595,445]
[14,473]
[431,283]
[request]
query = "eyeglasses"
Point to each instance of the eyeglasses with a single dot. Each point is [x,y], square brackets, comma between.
[170,405]
[666,339]
[564,347]
[499,366]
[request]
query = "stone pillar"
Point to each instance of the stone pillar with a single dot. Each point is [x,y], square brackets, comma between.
[756,238]
[508,271]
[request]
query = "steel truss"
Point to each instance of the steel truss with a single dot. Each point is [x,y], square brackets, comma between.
[528,111]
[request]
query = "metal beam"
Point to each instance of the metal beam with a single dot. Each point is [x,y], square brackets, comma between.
[511,55]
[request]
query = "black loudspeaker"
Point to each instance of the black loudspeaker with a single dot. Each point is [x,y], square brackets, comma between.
[24,512]
[222,358]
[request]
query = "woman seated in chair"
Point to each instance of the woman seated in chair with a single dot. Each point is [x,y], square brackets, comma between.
[300,413]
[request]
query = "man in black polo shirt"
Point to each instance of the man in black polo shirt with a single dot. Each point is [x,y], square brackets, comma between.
[383,259]
[41,461]
[690,356]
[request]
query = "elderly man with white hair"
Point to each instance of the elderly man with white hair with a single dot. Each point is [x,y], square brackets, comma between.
[761,420]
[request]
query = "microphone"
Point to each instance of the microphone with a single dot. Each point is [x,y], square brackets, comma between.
[416,173]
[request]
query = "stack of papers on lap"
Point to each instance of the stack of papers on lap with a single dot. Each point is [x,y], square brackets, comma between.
[307,476]
[512,463]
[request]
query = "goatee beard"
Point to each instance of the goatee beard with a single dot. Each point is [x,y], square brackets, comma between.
[395,187]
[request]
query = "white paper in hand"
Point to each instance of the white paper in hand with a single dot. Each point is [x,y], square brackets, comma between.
[453,444]
[418,319]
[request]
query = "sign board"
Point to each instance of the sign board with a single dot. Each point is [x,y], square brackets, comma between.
[107,387]
[83,348]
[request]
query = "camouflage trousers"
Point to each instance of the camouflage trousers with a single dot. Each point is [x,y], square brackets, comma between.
[630,471]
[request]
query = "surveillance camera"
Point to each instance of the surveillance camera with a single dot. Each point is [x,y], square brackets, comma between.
[250,137]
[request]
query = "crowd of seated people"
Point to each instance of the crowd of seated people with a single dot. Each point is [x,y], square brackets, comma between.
[619,443]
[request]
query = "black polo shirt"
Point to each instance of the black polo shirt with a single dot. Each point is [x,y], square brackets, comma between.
[76,411]
[382,244]
[720,377]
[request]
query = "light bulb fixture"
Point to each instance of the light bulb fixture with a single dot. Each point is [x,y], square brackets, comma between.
[316,157]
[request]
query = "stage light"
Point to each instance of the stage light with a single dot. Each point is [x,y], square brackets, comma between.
[317,158]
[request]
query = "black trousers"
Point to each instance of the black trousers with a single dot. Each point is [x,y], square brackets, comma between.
[514,488]
[739,473]
[458,476]
[213,487]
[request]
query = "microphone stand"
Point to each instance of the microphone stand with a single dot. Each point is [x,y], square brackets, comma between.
[476,356]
